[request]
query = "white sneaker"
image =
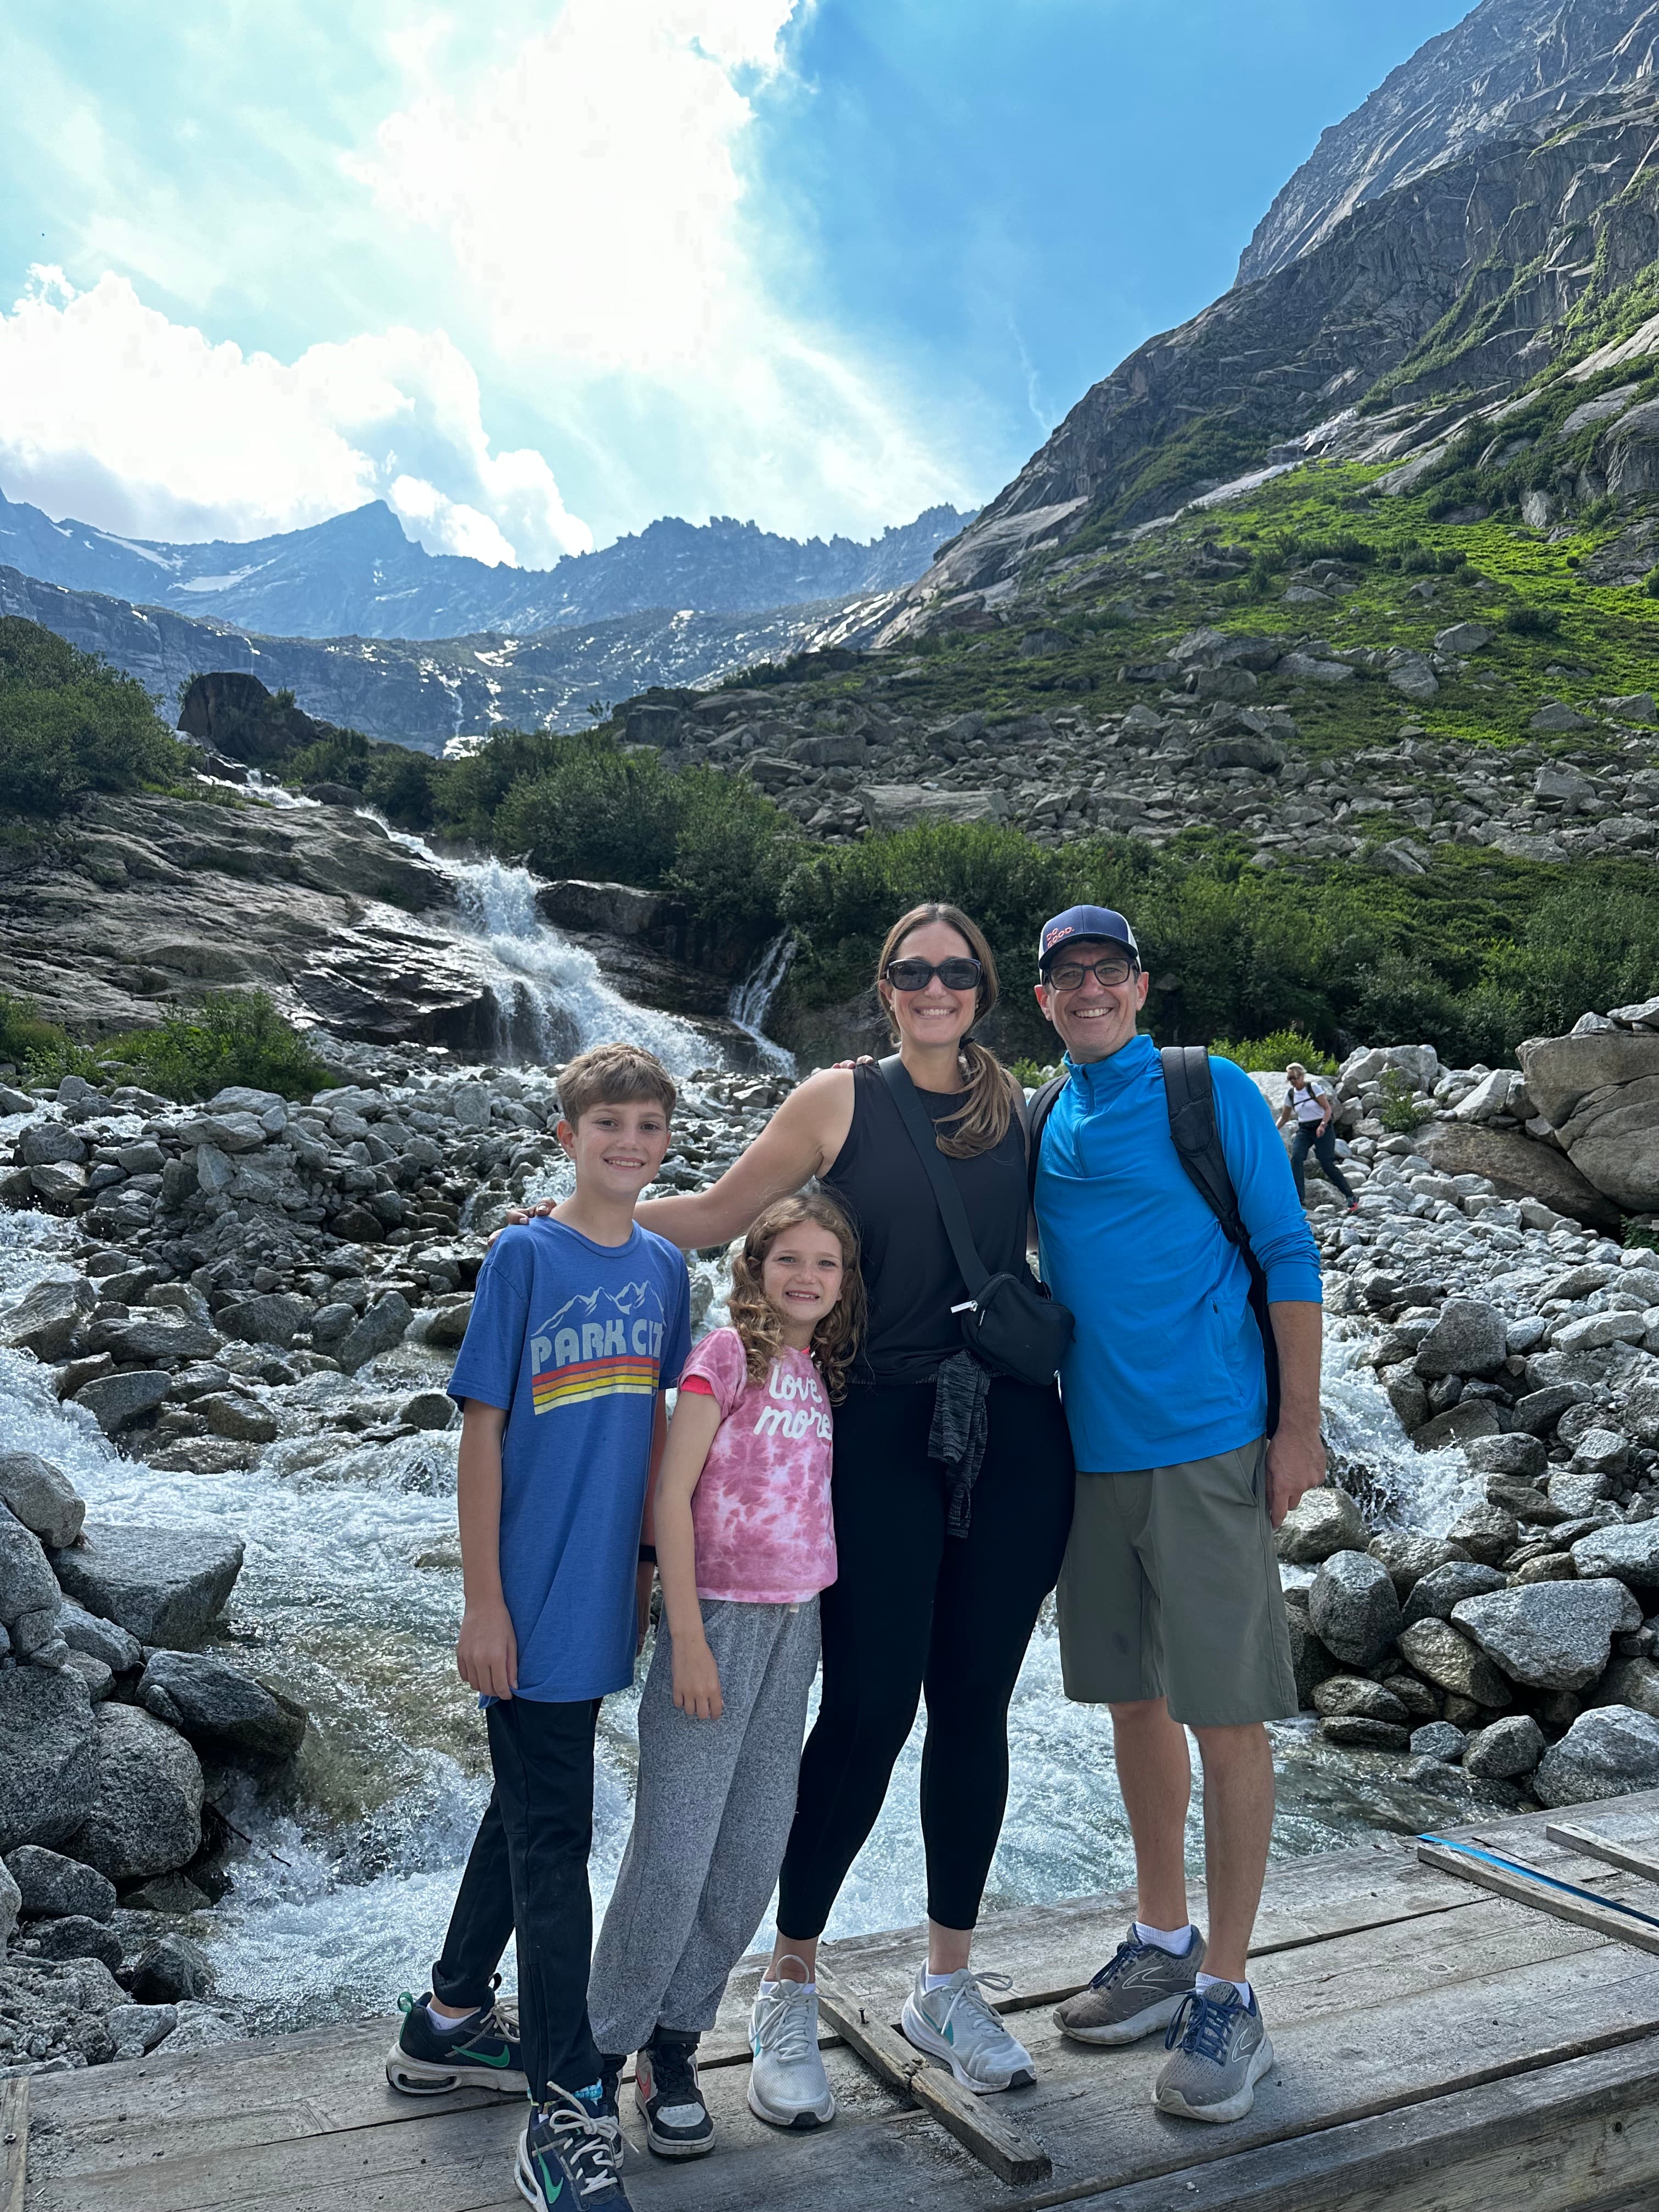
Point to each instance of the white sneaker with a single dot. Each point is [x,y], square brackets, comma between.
[787,2085]
[955,2022]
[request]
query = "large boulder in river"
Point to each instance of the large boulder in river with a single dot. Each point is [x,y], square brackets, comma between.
[218,1707]
[27,1583]
[1354,1607]
[46,1755]
[381,1328]
[1516,1166]
[41,1496]
[146,1811]
[1550,1636]
[46,1320]
[164,1586]
[1608,1751]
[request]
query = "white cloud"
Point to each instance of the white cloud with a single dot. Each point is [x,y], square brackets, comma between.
[110,411]
[593,198]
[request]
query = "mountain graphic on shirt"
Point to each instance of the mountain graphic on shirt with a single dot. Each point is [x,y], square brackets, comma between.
[604,1343]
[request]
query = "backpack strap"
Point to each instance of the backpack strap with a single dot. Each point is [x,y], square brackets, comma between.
[1190,1092]
[1041,1107]
[925,1137]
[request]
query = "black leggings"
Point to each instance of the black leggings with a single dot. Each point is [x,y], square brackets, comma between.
[1324,1150]
[913,1610]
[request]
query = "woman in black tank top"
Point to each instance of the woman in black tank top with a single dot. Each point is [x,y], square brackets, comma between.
[917,1609]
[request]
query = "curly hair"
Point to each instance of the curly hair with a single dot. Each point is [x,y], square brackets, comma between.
[836,1338]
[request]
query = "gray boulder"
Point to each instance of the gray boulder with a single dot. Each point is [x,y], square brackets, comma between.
[1311,1663]
[232,1414]
[1459,1424]
[1631,1554]
[435,1410]
[11,1902]
[54,2016]
[41,1496]
[45,1756]
[1523,1457]
[99,1639]
[1470,1337]
[138,2028]
[276,1317]
[1434,1595]
[173,1970]
[146,1813]
[1630,1682]
[1357,1733]
[116,1401]
[1550,1636]
[1443,1656]
[218,1707]
[77,1937]
[45,1322]
[1505,1750]
[1342,1696]
[1486,1532]
[27,1583]
[52,1888]
[1438,1740]
[381,1328]
[1325,1522]
[155,1336]
[165,1586]
[1409,1558]
[1354,1608]
[1608,1751]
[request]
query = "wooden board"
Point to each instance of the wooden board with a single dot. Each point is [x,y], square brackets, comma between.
[1596,1845]
[14,2142]
[1540,1897]
[974,2121]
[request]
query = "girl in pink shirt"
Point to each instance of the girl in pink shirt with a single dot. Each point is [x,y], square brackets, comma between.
[745,1540]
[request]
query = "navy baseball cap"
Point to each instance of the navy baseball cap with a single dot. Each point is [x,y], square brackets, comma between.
[1096,921]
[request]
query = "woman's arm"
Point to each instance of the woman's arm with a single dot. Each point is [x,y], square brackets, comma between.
[691,1431]
[486,1651]
[801,1140]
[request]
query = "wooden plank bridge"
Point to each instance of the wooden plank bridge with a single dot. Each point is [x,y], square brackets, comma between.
[1442,2044]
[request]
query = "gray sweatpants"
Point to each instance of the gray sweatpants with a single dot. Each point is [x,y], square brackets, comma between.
[712,1814]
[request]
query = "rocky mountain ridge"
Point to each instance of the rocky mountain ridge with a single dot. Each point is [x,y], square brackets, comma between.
[357,574]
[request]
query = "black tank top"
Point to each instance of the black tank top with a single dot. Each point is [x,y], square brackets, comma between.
[910,1273]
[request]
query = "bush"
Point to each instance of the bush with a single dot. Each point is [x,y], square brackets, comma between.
[344,757]
[1527,619]
[69,725]
[1270,1055]
[466,792]
[607,815]
[232,1036]
[1395,1111]
[404,785]
[30,1043]
[732,849]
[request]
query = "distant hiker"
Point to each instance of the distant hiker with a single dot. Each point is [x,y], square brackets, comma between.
[1311,1102]
[579,1322]
[1169,1608]
[953,1496]
[745,1541]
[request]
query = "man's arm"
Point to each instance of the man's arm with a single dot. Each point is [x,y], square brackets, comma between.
[1295,1453]
[486,1651]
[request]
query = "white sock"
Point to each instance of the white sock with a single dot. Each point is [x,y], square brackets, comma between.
[1203,1981]
[442,2026]
[931,1981]
[767,1986]
[1177,1942]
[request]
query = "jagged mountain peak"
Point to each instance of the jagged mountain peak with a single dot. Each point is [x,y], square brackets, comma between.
[1509,65]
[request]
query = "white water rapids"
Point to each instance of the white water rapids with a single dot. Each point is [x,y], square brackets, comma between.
[350,1597]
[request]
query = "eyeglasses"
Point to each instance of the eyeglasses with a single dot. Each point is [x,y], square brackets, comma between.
[958,975]
[1116,968]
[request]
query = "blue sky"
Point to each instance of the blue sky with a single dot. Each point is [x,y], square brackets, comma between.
[818,262]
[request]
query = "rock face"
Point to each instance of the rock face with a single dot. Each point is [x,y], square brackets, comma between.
[1600,1092]
[1518,1168]
[145,1816]
[164,1586]
[45,1756]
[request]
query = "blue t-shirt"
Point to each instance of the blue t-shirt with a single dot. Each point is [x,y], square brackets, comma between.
[1166,1364]
[573,1340]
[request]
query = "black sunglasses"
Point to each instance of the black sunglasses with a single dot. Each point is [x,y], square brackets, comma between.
[958,975]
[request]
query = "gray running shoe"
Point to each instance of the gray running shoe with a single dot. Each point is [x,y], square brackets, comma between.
[787,2085]
[1138,1988]
[956,2023]
[1221,2051]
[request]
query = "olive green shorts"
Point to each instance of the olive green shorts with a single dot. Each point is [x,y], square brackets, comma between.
[1171,1590]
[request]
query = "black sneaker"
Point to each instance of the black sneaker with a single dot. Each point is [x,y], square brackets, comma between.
[677,2122]
[481,2053]
[571,2152]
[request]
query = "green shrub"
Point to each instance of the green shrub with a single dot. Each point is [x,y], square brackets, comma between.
[232,1036]
[30,1043]
[1395,1111]
[344,757]
[69,725]
[1527,619]
[466,792]
[1033,1073]
[1642,1236]
[404,785]
[607,815]
[732,849]
[1270,1055]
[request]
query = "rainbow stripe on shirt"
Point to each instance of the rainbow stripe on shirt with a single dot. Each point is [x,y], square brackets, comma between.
[592,1378]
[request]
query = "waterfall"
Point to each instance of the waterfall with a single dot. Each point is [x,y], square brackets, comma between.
[753,996]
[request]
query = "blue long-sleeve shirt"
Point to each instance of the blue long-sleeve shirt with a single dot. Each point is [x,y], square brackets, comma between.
[1167,1364]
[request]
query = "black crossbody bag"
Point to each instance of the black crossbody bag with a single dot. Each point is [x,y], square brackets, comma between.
[1011,1322]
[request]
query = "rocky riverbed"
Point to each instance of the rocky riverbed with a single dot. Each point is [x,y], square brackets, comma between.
[236,1772]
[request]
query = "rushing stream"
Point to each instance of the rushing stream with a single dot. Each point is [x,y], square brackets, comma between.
[350,1597]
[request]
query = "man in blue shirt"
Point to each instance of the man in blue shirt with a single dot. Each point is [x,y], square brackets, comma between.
[1170,1604]
[580,1320]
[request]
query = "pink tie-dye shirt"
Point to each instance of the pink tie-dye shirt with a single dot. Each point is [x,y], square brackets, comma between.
[761,1509]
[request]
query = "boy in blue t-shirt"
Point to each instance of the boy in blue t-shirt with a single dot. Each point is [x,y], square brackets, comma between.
[581,1320]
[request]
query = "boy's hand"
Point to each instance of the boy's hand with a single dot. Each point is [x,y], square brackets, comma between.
[641,1604]
[487,1651]
[697,1682]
